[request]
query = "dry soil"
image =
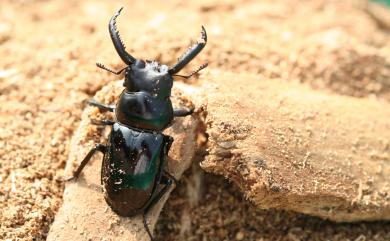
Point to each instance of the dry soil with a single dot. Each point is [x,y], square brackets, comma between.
[48,52]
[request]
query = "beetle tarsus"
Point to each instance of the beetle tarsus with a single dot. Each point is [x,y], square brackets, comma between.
[167,180]
[68,179]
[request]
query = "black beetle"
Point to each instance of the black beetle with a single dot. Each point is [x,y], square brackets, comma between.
[133,175]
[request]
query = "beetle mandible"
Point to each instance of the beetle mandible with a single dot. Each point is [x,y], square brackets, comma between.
[134,156]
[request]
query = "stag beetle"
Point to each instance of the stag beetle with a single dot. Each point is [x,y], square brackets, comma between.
[133,174]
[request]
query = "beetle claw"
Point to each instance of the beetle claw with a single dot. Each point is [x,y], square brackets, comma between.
[68,179]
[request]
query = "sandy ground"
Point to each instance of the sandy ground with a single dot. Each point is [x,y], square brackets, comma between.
[48,50]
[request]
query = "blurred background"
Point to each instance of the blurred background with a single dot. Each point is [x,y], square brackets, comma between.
[385,2]
[48,52]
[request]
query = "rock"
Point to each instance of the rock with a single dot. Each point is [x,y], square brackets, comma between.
[84,214]
[290,147]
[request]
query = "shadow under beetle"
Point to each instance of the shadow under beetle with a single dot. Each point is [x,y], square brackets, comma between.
[132,173]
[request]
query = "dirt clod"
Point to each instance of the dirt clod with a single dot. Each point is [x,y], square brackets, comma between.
[274,145]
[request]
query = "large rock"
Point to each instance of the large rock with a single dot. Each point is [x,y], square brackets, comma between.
[290,147]
[84,214]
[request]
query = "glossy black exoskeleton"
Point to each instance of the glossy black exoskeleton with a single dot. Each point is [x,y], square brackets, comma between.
[133,175]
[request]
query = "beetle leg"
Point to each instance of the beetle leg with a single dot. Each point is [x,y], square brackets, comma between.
[168,180]
[181,112]
[99,147]
[171,177]
[101,106]
[169,144]
[102,122]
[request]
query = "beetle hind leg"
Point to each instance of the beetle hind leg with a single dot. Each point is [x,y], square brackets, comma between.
[181,112]
[167,180]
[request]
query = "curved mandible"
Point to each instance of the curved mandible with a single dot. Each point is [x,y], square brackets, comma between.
[190,54]
[117,41]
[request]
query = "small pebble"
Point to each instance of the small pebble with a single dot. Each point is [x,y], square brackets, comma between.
[240,236]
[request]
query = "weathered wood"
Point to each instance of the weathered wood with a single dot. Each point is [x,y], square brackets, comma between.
[84,214]
[290,147]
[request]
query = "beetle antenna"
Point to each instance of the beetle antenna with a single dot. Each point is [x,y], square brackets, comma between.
[193,72]
[109,70]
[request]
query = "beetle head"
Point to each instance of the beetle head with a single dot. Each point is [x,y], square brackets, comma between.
[151,76]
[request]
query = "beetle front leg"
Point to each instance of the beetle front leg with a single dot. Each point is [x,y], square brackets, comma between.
[102,122]
[99,147]
[101,106]
[181,112]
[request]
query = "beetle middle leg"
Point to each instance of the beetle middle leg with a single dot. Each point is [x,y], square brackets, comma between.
[181,112]
[167,180]
[99,147]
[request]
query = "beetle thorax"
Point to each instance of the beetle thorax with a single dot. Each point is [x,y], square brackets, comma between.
[150,77]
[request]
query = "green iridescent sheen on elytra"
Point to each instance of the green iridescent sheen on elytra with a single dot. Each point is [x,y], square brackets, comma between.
[385,2]
[135,157]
